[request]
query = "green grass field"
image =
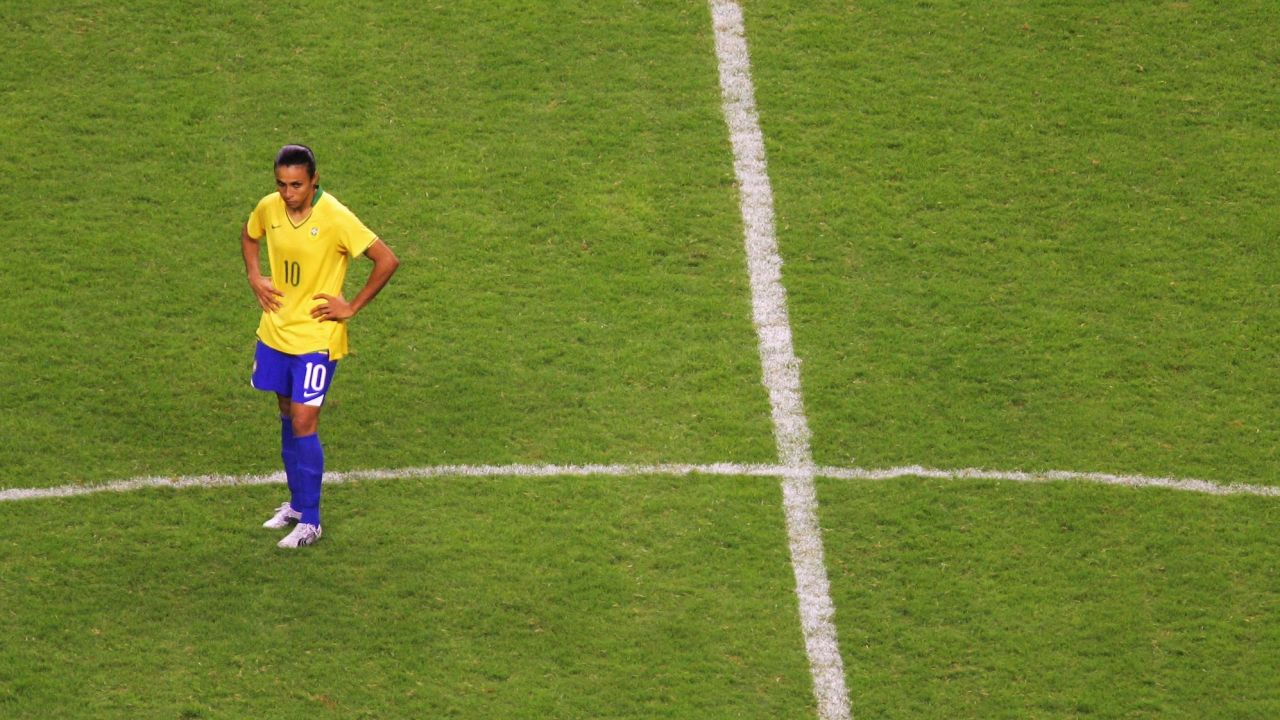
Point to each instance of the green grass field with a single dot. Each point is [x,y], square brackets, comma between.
[1031,235]
[1034,236]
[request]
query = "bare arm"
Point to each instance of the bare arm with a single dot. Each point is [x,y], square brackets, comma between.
[385,263]
[266,292]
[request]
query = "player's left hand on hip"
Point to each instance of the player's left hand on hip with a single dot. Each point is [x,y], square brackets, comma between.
[333,308]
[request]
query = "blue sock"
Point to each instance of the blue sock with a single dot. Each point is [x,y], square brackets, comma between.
[289,454]
[310,464]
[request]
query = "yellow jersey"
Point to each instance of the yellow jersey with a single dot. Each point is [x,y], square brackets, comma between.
[306,259]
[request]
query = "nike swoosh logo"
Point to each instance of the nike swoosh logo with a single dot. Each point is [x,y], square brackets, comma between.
[273,227]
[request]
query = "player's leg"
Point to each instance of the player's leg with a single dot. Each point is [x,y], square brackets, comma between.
[312,376]
[287,513]
[271,374]
[306,422]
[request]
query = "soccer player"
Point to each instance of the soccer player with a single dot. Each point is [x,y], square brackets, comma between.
[311,238]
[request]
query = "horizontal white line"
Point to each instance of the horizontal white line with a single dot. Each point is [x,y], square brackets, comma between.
[666,469]
[1138,481]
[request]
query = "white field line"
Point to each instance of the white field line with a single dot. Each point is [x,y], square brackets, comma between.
[781,368]
[1205,487]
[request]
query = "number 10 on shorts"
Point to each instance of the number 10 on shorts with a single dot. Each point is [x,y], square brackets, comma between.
[314,380]
[304,379]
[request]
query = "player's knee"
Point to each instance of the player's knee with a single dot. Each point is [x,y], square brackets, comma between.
[305,423]
[304,427]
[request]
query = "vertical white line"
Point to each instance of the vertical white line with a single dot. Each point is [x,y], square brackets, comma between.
[781,369]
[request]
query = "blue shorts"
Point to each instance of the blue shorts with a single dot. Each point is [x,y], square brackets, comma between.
[304,379]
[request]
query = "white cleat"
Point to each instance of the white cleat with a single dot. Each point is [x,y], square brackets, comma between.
[303,534]
[285,515]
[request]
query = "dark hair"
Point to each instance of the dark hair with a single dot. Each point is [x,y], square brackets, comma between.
[297,155]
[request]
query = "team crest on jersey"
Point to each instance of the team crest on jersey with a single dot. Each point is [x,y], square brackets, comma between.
[315,231]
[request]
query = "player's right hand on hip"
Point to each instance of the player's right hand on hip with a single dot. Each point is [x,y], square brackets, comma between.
[266,292]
